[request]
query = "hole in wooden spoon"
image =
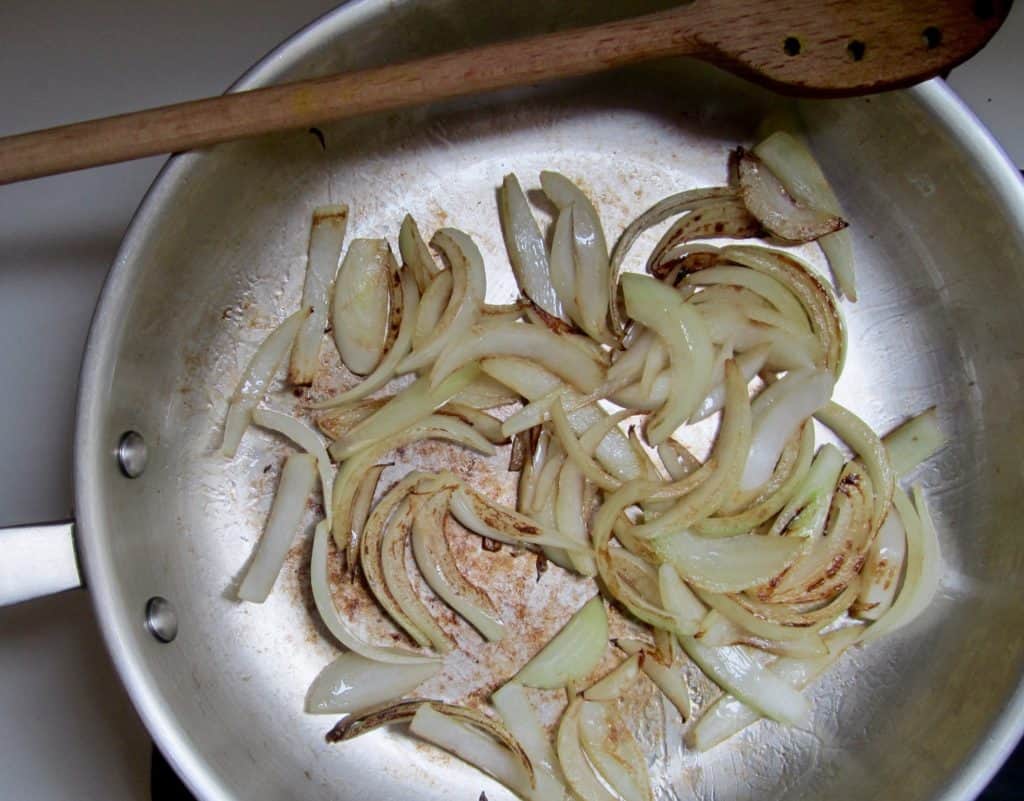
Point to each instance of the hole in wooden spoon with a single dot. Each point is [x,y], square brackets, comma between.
[856,49]
[791,46]
[984,9]
[932,37]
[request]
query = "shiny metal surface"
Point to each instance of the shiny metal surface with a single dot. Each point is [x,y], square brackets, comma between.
[132,454]
[37,561]
[214,259]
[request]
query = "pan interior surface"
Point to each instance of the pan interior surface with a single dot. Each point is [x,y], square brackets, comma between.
[215,259]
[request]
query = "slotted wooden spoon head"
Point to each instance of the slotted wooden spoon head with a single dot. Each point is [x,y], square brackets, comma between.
[844,47]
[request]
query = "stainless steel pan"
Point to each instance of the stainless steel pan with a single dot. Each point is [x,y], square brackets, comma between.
[214,258]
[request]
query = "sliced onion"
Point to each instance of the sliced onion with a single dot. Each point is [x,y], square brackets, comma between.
[469,286]
[571,516]
[510,766]
[866,444]
[679,599]
[914,441]
[658,213]
[768,200]
[614,752]
[409,298]
[572,653]
[532,414]
[306,438]
[764,285]
[684,334]
[678,460]
[487,393]
[728,217]
[533,382]
[882,570]
[489,519]
[813,493]
[578,771]
[525,245]
[633,582]
[519,716]
[717,630]
[562,264]
[488,425]
[758,626]
[297,479]
[670,680]
[415,253]
[749,363]
[433,302]
[326,235]
[547,477]
[436,563]
[616,682]
[318,573]
[551,351]
[352,684]
[410,406]
[793,164]
[346,483]
[729,715]
[733,669]
[360,511]
[361,304]
[371,559]
[577,454]
[923,570]
[337,422]
[793,399]
[252,387]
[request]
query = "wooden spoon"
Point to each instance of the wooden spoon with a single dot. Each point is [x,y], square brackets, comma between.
[824,48]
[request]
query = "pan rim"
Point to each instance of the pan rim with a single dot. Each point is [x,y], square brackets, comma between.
[90,449]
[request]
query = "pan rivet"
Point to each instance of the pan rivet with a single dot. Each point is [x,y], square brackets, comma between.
[131,454]
[161,619]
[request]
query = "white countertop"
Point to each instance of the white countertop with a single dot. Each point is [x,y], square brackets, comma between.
[68,730]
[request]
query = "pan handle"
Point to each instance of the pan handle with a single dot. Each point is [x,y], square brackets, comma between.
[36,561]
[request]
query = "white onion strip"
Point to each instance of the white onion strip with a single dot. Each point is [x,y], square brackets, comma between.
[252,387]
[882,570]
[433,302]
[767,287]
[385,371]
[572,653]
[571,516]
[669,679]
[519,716]
[614,752]
[469,286]
[436,563]
[615,682]
[415,253]
[914,441]
[525,245]
[728,217]
[361,304]
[353,684]
[297,479]
[360,511]
[326,235]
[578,771]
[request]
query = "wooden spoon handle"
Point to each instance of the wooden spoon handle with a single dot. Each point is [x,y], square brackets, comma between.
[183,126]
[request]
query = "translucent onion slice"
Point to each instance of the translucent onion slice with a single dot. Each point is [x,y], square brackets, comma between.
[346,483]
[415,253]
[794,399]
[393,546]
[658,213]
[764,285]
[914,441]
[409,298]
[353,684]
[749,363]
[578,771]
[547,477]
[679,599]
[717,630]
[572,653]
[577,454]
[562,264]
[519,716]
[433,302]
[469,286]
[488,425]
[733,669]
[614,752]
[616,682]
[767,199]
[729,715]
[685,336]
[677,459]
[436,563]
[634,583]
[792,163]
[413,404]
[814,295]
[337,422]
[670,680]
[728,217]
[532,382]
[532,414]
[882,570]
[297,479]
[371,559]
[488,339]
[923,567]
[470,743]
[318,573]
[306,438]
[487,393]
[326,235]
[360,511]
[866,444]
[759,627]
[252,387]
[571,515]
[361,304]
[813,493]
[525,245]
